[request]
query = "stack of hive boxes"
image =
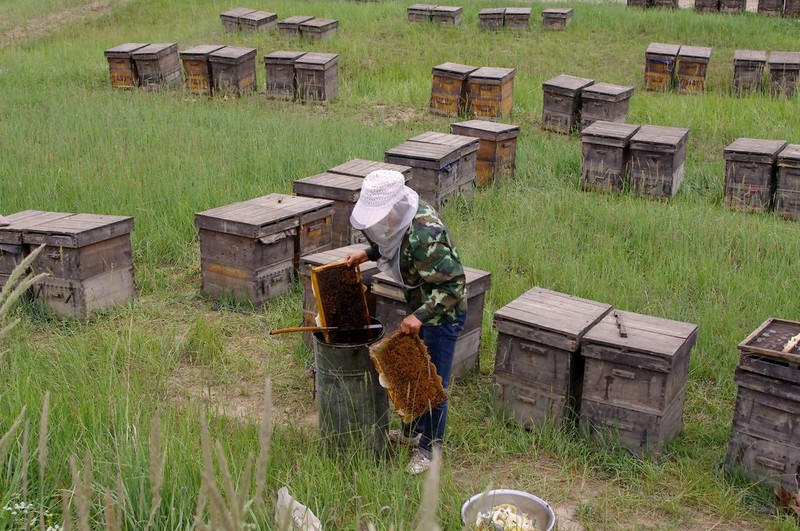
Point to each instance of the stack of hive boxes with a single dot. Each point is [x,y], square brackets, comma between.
[249,20]
[444,15]
[497,149]
[486,92]
[301,75]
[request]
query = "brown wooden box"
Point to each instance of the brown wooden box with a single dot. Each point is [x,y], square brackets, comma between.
[692,66]
[317,76]
[447,15]
[604,101]
[281,77]
[750,172]
[434,174]
[762,352]
[497,148]
[605,160]
[791,8]
[197,68]
[449,92]
[391,309]
[79,298]
[784,70]
[230,19]
[318,29]
[529,403]
[12,249]
[420,12]
[665,4]
[121,66]
[290,26]
[770,7]
[344,191]
[657,160]
[362,168]
[767,407]
[659,66]
[491,18]
[538,345]
[562,102]
[706,6]
[467,147]
[748,70]
[234,69]
[158,65]
[732,6]
[787,193]
[644,4]
[258,21]
[490,91]
[517,18]
[556,18]
[764,460]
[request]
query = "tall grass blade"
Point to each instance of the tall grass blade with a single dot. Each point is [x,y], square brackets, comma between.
[426,516]
[157,462]
[5,441]
[43,455]
[26,432]
[264,438]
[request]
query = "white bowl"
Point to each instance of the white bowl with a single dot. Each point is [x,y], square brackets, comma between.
[536,508]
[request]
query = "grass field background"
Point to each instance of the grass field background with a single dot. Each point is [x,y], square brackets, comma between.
[72,143]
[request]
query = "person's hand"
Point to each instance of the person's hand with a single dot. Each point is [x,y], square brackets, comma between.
[410,325]
[356,258]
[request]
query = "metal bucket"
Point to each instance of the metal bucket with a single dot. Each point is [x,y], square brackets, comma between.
[536,508]
[353,407]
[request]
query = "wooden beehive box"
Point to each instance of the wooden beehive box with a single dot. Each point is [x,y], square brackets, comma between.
[318,29]
[791,8]
[659,66]
[362,168]
[750,171]
[467,147]
[706,6]
[490,91]
[230,18]
[12,249]
[491,18]
[787,188]
[197,68]
[344,191]
[657,160]
[317,76]
[158,65]
[771,351]
[234,69]
[748,70]
[556,18]
[447,15]
[732,6]
[90,261]
[497,148]
[434,174]
[290,26]
[692,67]
[121,66]
[784,70]
[420,12]
[635,378]
[562,102]
[770,7]
[605,155]
[391,309]
[538,369]
[449,91]
[764,460]
[517,18]
[281,77]
[258,21]
[665,4]
[604,101]
[644,4]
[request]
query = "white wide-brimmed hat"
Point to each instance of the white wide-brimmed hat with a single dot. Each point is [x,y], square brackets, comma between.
[380,191]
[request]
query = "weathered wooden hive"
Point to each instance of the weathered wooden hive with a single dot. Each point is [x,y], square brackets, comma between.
[692,67]
[765,439]
[644,4]
[605,156]
[657,160]
[791,8]
[290,26]
[706,6]
[434,174]
[517,18]
[390,309]
[281,76]
[449,91]
[158,65]
[447,15]
[248,250]
[605,101]
[784,70]
[659,66]
[497,149]
[420,12]
[770,7]
[234,69]
[562,102]
[491,18]
[490,91]
[635,376]
[748,70]
[787,192]
[230,18]
[538,371]
[258,21]
[750,172]
[12,250]
[318,29]
[665,4]
[317,76]
[466,148]
[556,18]
[121,66]
[732,6]
[197,68]
[362,168]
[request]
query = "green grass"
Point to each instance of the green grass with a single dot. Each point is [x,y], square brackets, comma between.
[72,143]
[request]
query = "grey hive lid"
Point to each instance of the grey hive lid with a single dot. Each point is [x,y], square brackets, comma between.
[237,12]
[423,155]
[362,168]
[465,144]
[493,74]
[485,129]
[790,152]
[455,69]
[317,59]
[608,89]
[750,56]
[259,16]
[19,222]
[321,23]
[124,50]
[492,11]
[294,20]
[657,48]
[518,11]
[565,81]
[648,334]
[660,135]
[155,51]
[755,146]
[232,54]
[695,52]
[422,7]
[610,130]
[557,11]
[448,9]
[283,56]
[784,58]
[200,51]
[78,230]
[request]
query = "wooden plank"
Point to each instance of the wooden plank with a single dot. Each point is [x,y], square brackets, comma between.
[649,334]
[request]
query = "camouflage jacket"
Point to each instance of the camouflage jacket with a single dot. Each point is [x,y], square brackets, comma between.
[430,263]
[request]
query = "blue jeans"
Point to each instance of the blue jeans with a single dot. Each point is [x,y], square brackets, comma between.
[441,343]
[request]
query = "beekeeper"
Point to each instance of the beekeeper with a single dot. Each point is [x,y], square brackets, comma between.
[409,241]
